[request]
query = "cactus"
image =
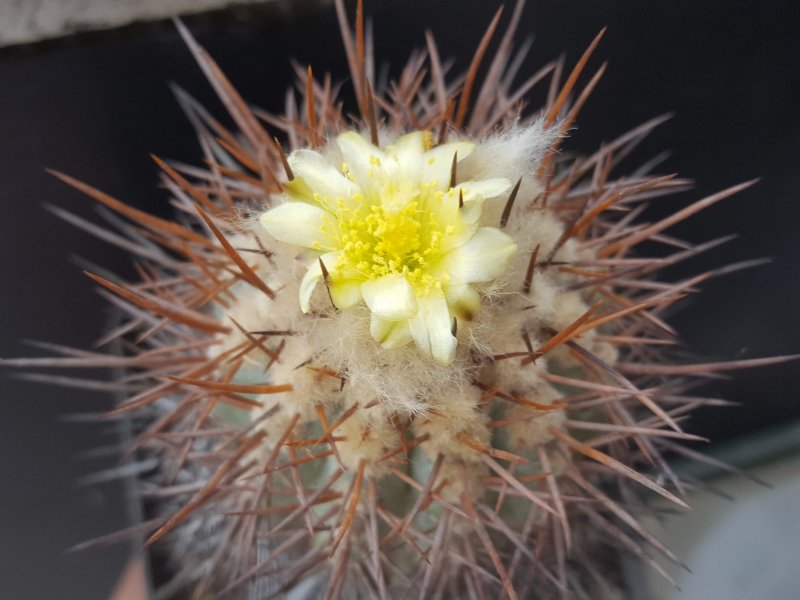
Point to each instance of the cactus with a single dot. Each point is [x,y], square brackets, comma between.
[412,353]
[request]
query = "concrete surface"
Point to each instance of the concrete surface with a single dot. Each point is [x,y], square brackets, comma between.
[743,548]
[23,21]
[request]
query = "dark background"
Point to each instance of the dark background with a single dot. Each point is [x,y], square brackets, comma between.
[94,106]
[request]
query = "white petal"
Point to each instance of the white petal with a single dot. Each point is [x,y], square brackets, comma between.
[390,297]
[457,230]
[483,257]
[307,285]
[390,334]
[469,207]
[463,301]
[363,159]
[345,293]
[437,162]
[315,174]
[312,277]
[474,193]
[297,223]
[486,188]
[462,233]
[430,329]
[407,151]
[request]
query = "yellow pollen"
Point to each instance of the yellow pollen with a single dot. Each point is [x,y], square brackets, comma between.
[427,140]
[376,239]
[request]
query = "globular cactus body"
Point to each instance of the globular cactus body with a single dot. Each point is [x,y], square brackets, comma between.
[413,354]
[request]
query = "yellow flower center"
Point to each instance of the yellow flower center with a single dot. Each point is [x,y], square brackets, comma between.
[388,235]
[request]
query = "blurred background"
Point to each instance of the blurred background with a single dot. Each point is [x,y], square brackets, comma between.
[85,89]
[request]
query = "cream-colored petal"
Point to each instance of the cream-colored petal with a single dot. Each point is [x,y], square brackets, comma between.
[395,195]
[473,208]
[307,285]
[345,293]
[431,329]
[437,162]
[314,174]
[312,277]
[488,188]
[474,193]
[389,334]
[366,162]
[407,151]
[299,191]
[469,206]
[390,297]
[483,257]
[449,215]
[297,223]
[463,301]
[460,233]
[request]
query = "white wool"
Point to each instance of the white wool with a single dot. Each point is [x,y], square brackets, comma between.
[281,269]
[511,154]
[542,296]
[309,388]
[530,426]
[454,413]
[606,352]
[402,378]
[312,383]
[496,327]
[568,307]
[275,425]
[512,377]
[459,477]
[514,154]
[508,313]
[369,434]
[537,228]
